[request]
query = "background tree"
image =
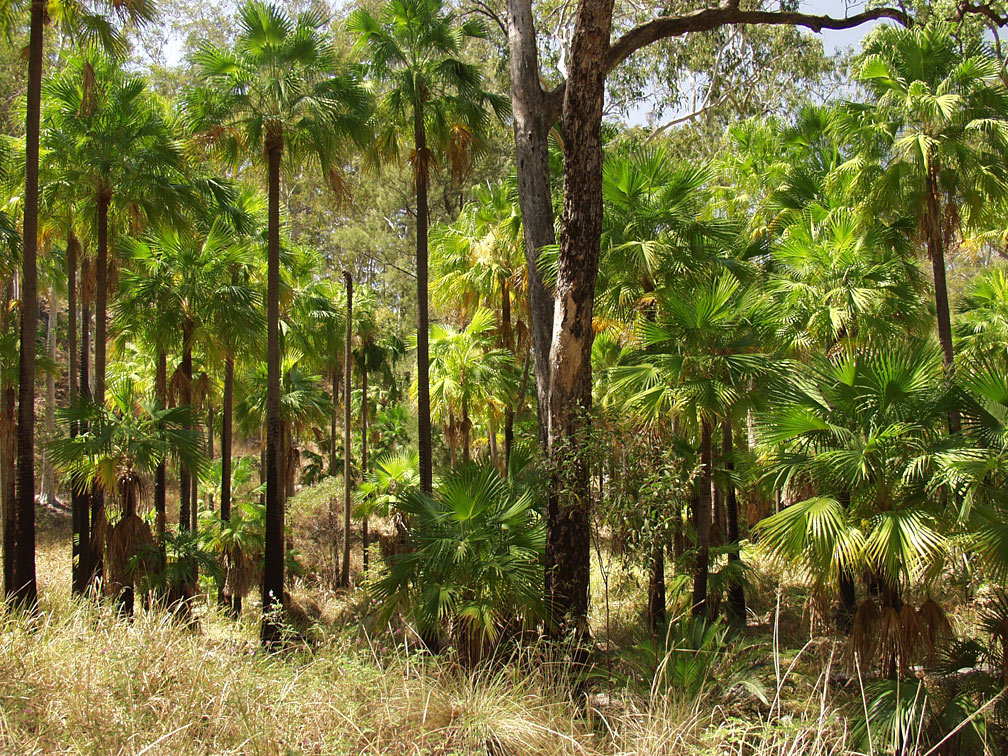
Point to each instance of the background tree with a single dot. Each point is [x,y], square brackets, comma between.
[436,103]
[278,91]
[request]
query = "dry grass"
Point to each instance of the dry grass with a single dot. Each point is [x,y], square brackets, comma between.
[78,680]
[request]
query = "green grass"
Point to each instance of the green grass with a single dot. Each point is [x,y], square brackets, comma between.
[75,679]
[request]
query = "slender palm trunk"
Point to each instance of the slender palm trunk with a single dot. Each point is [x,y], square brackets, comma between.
[87,554]
[47,490]
[466,431]
[210,452]
[507,341]
[8,475]
[78,581]
[452,442]
[227,419]
[334,379]
[273,562]
[656,590]
[492,437]
[194,500]
[423,355]
[345,570]
[161,472]
[227,411]
[185,474]
[936,251]
[100,352]
[24,589]
[702,521]
[736,591]
[364,457]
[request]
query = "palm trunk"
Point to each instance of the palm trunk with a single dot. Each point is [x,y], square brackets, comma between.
[936,251]
[8,475]
[223,600]
[100,351]
[451,438]
[508,342]
[334,379]
[78,513]
[227,418]
[702,521]
[736,591]
[185,474]
[656,590]
[423,356]
[345,569]
[87,554]
[24,589]
[161,472]
[522,390]
[210,452]
[47,490]
[466,432]
[194,501]
[492,437]
[273,563]
[364,457]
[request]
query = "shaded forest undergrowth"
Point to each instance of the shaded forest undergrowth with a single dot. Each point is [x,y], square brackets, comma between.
[79,679]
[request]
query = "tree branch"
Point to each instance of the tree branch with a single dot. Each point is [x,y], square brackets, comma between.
[729,14]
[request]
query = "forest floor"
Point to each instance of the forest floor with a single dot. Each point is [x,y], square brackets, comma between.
[76,679]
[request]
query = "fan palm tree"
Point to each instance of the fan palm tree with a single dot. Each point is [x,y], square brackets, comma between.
[278,92]
[435,103]
[479,260]
[87,24]
[941,113]
[695,360]
[861,427]
[199,302]
[837,282]
[125,440]
[475,567]
[117,142]
[466,370]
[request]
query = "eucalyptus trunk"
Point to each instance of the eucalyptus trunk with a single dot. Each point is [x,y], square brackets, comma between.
[534,116]
[568,514]
[273,560]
